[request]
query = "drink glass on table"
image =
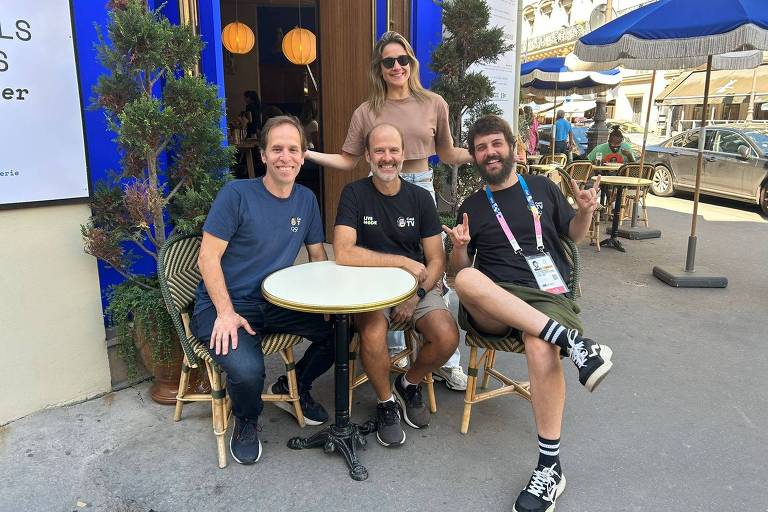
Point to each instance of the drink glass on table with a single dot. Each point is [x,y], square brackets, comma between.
[599,158]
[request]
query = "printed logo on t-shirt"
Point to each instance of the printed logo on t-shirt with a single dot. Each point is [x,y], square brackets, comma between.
[370,221]
[295,223]
[406,222]
[539,205]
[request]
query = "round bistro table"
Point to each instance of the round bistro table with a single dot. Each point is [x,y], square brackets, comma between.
[327,288]
[620,182]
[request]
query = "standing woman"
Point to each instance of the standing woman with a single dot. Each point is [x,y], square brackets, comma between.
[533,130]
[397,97]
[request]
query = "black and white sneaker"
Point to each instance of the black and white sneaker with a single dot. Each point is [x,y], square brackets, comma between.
[244,445]
[415,411]
[314,413]
[389,431]
[593,361]
[543,489]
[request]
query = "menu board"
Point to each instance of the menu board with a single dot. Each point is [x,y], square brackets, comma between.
[502,72]
[42,145]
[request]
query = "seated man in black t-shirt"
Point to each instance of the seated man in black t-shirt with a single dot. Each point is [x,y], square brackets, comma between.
[516,286]
[384,221]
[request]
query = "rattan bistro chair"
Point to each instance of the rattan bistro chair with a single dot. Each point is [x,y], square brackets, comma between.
[631,195]
[179,276]
[514,344]
[411,341]
[557,159]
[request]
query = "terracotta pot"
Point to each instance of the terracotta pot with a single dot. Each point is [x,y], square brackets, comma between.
[166,374]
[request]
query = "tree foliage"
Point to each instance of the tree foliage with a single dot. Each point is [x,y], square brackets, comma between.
[467,40]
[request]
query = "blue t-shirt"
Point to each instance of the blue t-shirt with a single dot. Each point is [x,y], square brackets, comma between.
[562,129]
[264,233]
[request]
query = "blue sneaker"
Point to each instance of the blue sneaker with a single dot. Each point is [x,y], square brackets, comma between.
[244,445]
[314,413]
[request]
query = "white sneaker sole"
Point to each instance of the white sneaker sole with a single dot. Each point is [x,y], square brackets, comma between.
[558,492]
[231,452]
[598,375]
[288,407]
[448,383]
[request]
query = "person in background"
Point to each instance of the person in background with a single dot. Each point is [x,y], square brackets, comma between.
[615,151]
[533,130]
[308,118]
[253,112]
[564,140]
[397,97]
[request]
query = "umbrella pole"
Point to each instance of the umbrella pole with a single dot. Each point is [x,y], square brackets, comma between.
[691,255]
[554,113]
[688,278]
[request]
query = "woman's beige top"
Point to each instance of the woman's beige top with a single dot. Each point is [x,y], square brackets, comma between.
[424,125]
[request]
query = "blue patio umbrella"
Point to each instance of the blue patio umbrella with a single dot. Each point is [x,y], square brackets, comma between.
[673,34]
[550,77]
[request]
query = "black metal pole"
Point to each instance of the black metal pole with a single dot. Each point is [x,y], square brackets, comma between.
[341,372]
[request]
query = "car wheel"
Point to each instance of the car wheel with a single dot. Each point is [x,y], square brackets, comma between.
[764,199]
[662,182]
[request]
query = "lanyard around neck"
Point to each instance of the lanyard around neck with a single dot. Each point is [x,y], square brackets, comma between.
[503,222]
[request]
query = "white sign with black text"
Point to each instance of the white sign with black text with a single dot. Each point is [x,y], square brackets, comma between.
[42,146]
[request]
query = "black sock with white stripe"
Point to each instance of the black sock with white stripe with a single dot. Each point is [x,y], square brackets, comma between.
[549,453]
[559,335]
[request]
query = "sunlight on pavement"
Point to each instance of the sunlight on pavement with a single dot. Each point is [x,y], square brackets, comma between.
[710,212]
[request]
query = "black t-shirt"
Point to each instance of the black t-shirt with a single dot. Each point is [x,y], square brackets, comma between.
[495,256]
[389,224]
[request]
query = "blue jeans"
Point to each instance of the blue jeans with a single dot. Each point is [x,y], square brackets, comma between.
[245,365]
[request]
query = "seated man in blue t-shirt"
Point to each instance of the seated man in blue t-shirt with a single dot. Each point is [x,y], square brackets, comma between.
[254,228]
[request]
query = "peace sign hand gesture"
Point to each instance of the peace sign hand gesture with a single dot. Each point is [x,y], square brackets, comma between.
[587,199]
[459,234]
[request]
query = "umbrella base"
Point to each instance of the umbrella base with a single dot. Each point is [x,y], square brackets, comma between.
[639,233]
[702,277]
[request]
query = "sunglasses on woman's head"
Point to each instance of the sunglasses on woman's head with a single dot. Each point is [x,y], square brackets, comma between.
[389,62]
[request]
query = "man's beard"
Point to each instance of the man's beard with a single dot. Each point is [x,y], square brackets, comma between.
[375,169]
[507,166]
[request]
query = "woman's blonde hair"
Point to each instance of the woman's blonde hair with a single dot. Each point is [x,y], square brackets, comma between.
[378,87]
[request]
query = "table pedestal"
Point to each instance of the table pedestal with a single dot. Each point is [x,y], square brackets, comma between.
[342,437]
[613,241]
[635,232]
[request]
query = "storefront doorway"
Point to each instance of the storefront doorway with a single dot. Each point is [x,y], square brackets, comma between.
[264,83]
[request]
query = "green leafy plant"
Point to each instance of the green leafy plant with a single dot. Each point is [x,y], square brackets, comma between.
[468,41]
[173,160]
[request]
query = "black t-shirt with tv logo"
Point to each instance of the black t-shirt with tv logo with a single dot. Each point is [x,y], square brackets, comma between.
[389,224]
[495,256]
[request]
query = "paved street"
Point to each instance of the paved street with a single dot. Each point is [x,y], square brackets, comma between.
[680,424]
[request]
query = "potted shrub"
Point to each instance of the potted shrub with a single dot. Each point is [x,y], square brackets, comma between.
[173,162]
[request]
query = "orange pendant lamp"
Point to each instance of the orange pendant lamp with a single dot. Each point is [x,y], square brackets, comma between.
[238,37]
[300,45]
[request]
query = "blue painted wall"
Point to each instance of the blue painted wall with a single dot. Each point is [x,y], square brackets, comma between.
[426,34]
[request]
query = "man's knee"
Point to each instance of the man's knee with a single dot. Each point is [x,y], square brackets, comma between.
[539,351]
[439,328]
[372,328]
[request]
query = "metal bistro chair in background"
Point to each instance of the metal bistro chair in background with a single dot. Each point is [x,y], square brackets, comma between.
[631,195]
[179,276]
[514,344]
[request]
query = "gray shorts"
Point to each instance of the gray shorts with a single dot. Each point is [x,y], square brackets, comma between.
[432,301]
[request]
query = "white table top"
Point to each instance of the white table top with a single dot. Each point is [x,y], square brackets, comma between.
[623,181]
[324,287]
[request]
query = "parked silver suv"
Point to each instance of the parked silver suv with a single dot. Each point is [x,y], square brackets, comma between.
[735,163]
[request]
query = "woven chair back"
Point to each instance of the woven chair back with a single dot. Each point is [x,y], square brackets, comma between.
[557,159]
[521,168]
[181,271]
[580,171]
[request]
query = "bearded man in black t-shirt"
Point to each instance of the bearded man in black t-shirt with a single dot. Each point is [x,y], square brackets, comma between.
[514,287]
[384,221]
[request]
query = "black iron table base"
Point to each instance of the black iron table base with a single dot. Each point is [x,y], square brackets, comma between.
[343,437]
[613,241]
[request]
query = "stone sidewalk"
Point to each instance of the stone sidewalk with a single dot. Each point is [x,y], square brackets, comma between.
[680,424]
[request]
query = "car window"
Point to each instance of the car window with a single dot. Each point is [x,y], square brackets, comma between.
[760,137]
[690,140]
[729,142]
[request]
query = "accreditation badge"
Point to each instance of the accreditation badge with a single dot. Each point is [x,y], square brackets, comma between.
[547,276]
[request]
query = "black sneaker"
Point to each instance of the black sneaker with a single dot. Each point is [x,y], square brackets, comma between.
[244,445]
[389,432]
[415,412]
[593,361]
[543,489]
[314,413]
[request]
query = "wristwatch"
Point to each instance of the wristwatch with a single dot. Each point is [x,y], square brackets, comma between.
[421,292]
